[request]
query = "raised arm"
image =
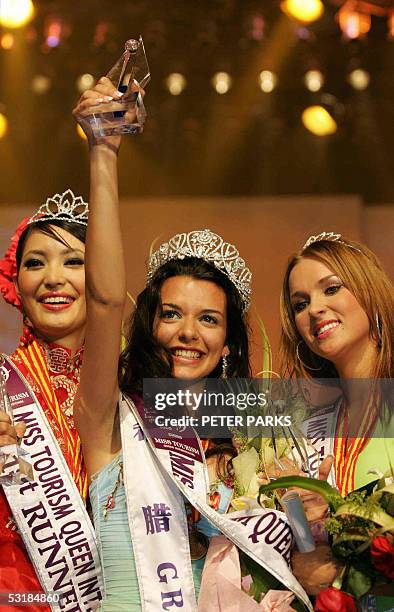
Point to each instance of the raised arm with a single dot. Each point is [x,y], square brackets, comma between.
[95,404]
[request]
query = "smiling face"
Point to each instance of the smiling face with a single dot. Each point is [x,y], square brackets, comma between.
[192,324]
[327,315]
[51,285]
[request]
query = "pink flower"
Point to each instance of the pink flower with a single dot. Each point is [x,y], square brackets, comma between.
[8,268]
[334,600]
[277,601]
[382,553]
[214,500]
[246,583]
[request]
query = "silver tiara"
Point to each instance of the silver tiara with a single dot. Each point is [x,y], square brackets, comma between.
[62,207]
[329,237]
[210,247]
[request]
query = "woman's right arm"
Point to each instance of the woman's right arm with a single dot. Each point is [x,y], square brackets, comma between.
[96,400]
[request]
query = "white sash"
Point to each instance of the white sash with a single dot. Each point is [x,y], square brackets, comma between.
[50,512]
[158,524]
[319,430]
[262,534]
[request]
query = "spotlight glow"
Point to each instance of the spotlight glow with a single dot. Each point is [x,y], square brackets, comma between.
[319,121]
[359,79]
[84,82]
[314,80]
[352,23]
[7,41]
[15,13]
[3,125]
[53,33]
[268,81]
[303,10]
[40,84]
[221,82]
[176,83]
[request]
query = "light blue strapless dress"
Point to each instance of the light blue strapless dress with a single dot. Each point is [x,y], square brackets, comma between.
[115,545]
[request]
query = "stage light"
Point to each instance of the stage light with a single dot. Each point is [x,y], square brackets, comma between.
[80,132]
[303,10]
[100,34]
[256,30]
[7,41]
[176,83]
[313,80]
[15,13]
[359,79]
[353,23]
[390,24]
[31,35]
[318,120]
[267,81]
[40,84]
[84,82]
[221,82]
[53,32]
[3,125]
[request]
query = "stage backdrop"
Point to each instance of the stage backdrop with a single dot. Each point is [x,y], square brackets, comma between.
[265,230]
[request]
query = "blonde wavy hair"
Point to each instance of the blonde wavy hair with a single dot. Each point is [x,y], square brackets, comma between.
[361,272]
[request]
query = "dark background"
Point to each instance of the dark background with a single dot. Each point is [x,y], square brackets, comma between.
[200,143]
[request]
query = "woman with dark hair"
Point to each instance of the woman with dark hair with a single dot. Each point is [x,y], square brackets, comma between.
[145,353]
[150,482]
[42,274]
[337,311]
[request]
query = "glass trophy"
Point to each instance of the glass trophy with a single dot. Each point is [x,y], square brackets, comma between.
[127,114]
[15,463]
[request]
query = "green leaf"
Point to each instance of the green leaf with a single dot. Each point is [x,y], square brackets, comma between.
[267,353]
[331,495]
[375,514]
[357,582]
[245,467]
[349,544]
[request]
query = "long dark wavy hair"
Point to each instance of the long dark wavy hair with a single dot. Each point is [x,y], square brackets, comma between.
[145,357]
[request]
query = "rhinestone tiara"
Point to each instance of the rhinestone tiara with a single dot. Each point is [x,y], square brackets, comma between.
[210,247]
[329,237]
[62,207]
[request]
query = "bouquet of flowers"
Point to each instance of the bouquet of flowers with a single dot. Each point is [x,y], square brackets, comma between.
[361,534]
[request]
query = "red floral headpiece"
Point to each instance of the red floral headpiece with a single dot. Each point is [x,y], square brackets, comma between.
[8,268]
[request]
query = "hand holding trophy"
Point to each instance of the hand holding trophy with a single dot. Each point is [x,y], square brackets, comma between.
[115,105]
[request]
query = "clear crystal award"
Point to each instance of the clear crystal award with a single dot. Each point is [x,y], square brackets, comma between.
[127,114]
[15,463]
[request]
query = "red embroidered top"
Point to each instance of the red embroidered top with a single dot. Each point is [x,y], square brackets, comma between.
[17,573]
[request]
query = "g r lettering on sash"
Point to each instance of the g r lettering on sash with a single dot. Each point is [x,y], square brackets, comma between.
[167,572]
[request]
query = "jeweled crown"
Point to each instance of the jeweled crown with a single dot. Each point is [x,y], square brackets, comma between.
[329,237]
[210,247]
[62,207]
